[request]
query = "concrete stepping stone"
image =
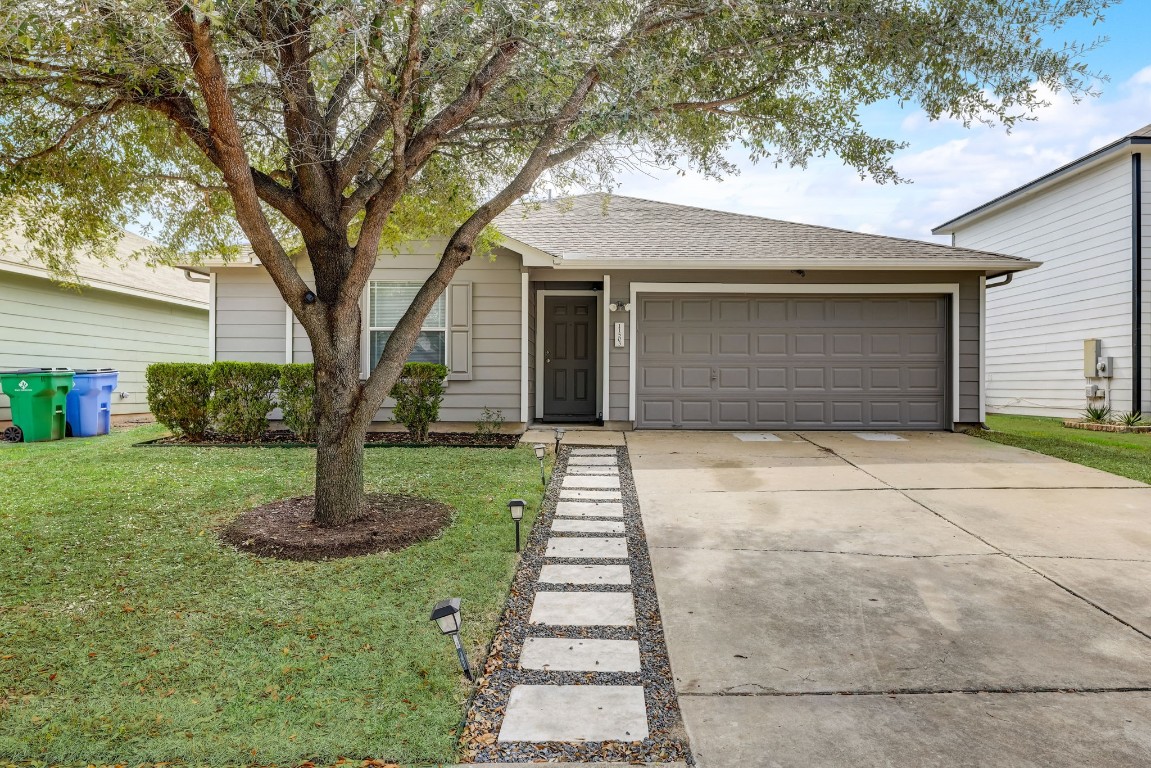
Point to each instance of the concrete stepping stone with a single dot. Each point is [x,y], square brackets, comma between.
[589,509]
[562,655]
[584,494]
[585,574]
[578,481]
[593,470]
[583,609]
[591,461]
[575,713]
[588,526]
[593,452]
[579,547]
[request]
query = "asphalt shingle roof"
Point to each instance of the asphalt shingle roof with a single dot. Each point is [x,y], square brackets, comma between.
[604,226]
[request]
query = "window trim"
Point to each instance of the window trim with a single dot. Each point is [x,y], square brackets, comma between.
[366,326]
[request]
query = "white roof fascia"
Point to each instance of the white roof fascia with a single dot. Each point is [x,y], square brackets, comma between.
[933,264]
[104,285]
[532,256]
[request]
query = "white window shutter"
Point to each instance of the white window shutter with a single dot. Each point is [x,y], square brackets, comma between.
[460,317]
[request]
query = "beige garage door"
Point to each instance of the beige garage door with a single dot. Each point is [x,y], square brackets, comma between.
[797,362]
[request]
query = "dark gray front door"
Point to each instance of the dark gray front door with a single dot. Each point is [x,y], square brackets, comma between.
[798,362]
[569,357]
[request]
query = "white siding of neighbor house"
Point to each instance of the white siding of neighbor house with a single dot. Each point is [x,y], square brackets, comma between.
[43,325]
[251,326]
[1081,230]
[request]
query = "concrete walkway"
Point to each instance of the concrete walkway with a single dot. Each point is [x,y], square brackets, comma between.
[927,599]
[590,503]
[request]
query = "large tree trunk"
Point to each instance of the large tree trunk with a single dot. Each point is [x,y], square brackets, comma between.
[341,424]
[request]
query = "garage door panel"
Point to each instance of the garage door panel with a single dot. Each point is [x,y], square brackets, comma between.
[808,378]
[695,344]
[733,378]
[773,362]
[695,378]
[771,344]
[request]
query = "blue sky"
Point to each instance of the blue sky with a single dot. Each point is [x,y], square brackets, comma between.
[952,169]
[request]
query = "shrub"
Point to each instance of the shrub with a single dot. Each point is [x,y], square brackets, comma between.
[178,395]
[297,399]
[418,393]
[1097,414]
[241,398]
[489,424]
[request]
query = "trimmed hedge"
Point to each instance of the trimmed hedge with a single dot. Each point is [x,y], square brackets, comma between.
[178,396]
[418,393]
[242,395]
[297,399]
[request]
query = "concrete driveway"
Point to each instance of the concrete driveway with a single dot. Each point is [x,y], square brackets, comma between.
[934,600]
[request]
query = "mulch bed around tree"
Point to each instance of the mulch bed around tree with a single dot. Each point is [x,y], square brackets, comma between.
[286,439]
[284,529]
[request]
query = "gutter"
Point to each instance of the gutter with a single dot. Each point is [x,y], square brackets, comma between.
[1136,281]
[1007,278]
[203,276]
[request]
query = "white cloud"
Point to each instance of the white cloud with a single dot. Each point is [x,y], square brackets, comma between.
[952,169]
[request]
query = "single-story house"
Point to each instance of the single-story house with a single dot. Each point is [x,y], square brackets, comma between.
[650,315]
[1089,222]
[122,315]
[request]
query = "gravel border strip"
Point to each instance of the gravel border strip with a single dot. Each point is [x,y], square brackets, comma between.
[667,739]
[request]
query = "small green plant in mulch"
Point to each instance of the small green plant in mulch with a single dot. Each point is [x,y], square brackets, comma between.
[490,424]
[1131,418]
[1097,414]
[418,393]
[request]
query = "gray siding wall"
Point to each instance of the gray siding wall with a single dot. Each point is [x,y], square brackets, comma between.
[42,325]
[620,358]
[1145,218]
[251,318]
[1081,231]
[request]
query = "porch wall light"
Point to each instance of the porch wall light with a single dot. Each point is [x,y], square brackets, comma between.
[446,614]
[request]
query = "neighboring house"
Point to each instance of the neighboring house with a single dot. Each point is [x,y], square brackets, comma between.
[653,315]
[1088,222]
[124,315]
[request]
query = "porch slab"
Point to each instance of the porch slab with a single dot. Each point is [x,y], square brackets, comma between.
[575,713]
[566,655]
[585,574]
[582,546]
[583,609]
[589,508]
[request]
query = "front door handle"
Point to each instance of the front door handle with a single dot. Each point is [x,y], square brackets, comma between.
[547,356]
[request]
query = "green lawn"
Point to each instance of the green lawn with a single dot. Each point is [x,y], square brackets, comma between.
[128,634]
[1128,454]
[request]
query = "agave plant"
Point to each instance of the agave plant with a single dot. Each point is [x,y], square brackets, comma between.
[1131,418]
[1097,414]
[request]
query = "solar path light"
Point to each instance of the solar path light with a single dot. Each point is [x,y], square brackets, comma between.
[446,614]
[541,452]
[516,508]
[559,436]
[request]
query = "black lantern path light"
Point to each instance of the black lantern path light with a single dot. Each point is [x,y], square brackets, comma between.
[516,508]
[559,436]
[446,614]
[541,452]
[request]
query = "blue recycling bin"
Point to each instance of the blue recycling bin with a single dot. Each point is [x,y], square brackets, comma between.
[89,410]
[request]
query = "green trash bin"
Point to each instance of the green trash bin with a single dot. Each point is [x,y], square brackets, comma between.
[39,397]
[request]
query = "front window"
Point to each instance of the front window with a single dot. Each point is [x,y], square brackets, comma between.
[387,303]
